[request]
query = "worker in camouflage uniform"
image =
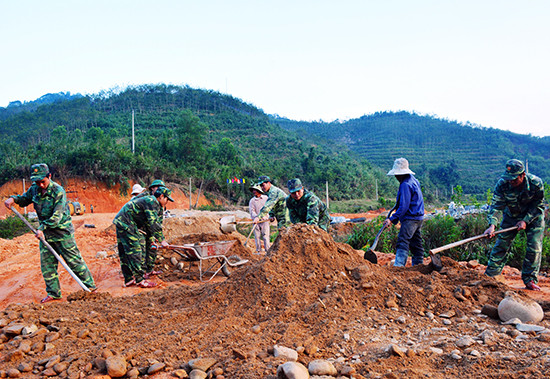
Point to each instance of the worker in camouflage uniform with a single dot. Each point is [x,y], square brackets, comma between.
[56,228]
[275,206]
[519,196]
[144,214]
[305,207]
[147,241]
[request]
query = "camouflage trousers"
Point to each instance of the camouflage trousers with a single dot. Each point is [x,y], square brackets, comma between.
[130,252]
[68,250]
[150,256]
[533,252]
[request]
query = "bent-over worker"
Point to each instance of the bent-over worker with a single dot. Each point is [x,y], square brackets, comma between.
[305,207]
[145,214]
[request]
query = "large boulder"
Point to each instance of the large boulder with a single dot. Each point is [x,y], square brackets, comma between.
[514,306]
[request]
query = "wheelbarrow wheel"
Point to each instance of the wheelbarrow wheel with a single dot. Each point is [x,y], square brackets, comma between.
[226,269]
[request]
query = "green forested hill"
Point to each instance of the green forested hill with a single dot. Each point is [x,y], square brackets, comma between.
[180,132]
[443,154]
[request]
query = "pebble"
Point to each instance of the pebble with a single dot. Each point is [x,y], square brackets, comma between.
[116,366]
[529,328]
[202,364]
[13,373]
[321,367]
[197,374]
[292,370]
[436,350]
[465,341]
[182,374]
[396,350]
[285,353]
[153,369]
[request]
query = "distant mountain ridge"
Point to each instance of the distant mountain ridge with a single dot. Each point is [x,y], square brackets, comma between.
[17,106]
[442,153]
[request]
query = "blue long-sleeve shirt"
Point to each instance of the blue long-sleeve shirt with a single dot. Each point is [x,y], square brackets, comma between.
[410,200]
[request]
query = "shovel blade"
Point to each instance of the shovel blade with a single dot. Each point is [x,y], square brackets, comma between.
[370,256]
[227,224]
[436,262]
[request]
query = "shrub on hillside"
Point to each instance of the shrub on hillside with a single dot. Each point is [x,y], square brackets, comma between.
[12,227]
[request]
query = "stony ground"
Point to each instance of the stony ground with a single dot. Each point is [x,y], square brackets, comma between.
[309,299]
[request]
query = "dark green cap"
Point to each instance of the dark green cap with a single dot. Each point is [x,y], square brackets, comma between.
[157,183]
[163,191]
[514,168]
[264,179]
[294,185]
[39,171]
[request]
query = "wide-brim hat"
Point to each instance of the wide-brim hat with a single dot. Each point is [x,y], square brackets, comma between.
[400,167]
[257,188]
[514,168]
[137,189]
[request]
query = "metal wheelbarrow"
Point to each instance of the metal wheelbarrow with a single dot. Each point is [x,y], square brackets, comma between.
[215,252]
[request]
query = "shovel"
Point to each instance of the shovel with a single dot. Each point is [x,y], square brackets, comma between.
[370,255]
[228,223]
[50,248]
[435,252]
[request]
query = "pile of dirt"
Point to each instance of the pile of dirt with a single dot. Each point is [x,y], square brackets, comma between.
[308,293]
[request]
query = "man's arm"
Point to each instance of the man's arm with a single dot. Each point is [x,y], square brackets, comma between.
[536,207]
[404,201]
[312,217]
[498,203]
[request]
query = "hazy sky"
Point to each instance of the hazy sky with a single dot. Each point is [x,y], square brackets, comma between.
[486,62]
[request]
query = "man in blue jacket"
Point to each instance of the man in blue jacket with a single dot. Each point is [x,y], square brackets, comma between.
[410,213]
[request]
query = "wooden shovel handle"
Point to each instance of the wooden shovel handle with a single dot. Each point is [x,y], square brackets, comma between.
[462,242]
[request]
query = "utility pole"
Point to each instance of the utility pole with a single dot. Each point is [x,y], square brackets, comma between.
[133,143]
[376,188]
[24,190]
[327,191]
[189,193]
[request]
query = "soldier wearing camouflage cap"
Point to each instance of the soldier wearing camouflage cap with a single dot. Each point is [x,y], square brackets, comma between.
[275,206]
[147,241]
[145,214]
[56,227]
[305,207]
[520,197]
[152,188]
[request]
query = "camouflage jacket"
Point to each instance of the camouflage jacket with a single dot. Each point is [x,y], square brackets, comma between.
[52,210]
[524,202]
[144,213]
[309,209]
[275,205]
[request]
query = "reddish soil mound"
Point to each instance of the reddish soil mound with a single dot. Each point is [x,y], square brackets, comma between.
[309,293]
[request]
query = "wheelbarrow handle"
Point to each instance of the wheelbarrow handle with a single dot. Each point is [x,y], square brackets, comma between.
[51,249]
